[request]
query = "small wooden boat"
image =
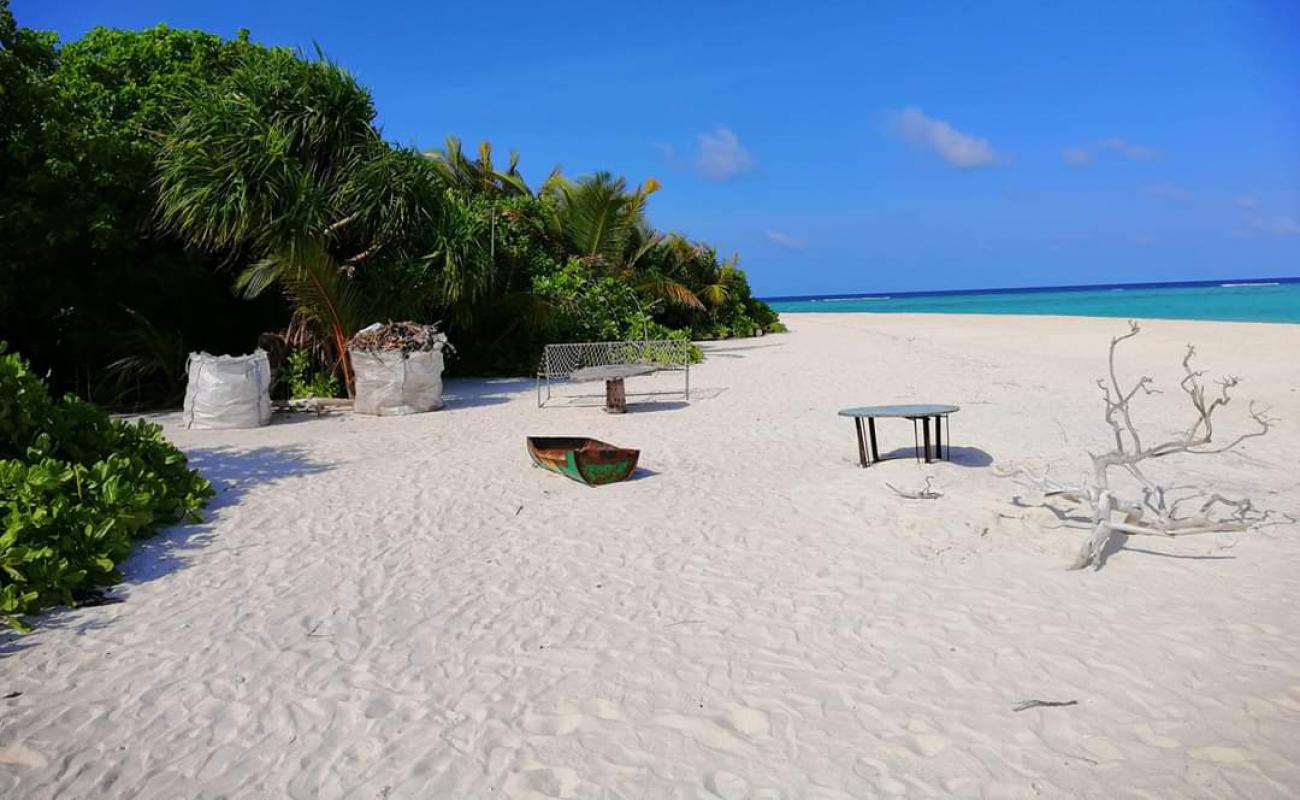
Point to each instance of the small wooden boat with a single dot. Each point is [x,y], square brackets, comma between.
[585,460]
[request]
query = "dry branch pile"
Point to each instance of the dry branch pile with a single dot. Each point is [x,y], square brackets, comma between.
[1162,510]
[409,337]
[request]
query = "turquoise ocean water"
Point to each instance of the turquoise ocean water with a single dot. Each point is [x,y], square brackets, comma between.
[1264,300]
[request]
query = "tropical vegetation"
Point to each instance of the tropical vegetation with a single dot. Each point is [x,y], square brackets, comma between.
[76,490]
[163,191]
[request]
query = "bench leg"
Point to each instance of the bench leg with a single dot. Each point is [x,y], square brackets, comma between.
[615,397]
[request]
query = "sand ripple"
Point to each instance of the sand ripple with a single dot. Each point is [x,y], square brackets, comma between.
[405,608]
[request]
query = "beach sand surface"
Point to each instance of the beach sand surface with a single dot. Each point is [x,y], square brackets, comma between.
[406,608]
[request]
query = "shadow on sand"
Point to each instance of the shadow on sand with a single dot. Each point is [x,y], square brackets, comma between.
[709,350]
[642,473]
[1118,543]
[961,456]
[473,392]
[58,618]
[232,473]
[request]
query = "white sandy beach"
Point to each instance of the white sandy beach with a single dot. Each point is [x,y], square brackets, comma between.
[406,608]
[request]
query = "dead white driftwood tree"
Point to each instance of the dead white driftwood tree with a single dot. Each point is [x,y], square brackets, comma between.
[1160,511]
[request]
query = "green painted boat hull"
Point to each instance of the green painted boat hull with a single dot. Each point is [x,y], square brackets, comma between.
[587,461]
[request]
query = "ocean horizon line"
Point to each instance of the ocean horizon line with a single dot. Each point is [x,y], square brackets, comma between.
[1077,287]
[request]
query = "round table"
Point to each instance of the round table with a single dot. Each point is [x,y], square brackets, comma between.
[612,375]
[918,412]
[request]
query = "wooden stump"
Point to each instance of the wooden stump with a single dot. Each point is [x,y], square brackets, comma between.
[615,397]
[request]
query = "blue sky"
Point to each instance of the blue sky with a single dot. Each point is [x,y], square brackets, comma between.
[855,146]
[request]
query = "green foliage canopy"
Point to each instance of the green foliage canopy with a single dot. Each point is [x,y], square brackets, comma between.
[164,191]
[79,251]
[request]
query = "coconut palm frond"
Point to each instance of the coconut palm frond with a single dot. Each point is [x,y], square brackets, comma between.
[715,294]
[258,277]
[648,241]
[670,291]
[597,218]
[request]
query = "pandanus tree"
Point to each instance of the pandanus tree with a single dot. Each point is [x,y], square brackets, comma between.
[281,163]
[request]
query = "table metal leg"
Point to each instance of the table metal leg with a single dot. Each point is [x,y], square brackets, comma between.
[862,447]
[871,426]
[925,433]
[938,437]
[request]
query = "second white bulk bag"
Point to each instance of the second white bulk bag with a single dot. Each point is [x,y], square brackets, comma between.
[393,382]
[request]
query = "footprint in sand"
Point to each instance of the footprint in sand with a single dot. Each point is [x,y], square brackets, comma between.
[552,724]
[1148,736]
[1220,755]
[19,756]
[601,708]
[542,782]
[726,785]
[748,722]
[928,744]
[703,731]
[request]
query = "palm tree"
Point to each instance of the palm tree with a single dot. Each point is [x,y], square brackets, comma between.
[479,176]
[597,218]
[282,161]
[322,297]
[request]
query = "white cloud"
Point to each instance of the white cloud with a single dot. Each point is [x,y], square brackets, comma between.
[1276,226]
[1078,155]
[1128,149]
[722,156]
[1167,191]
[784,240]
[1247,201]
[959,149]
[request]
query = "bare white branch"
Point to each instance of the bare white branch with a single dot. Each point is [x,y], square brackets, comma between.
[1157,512]
[923,493]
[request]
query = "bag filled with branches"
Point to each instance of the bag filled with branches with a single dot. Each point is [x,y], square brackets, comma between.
[408,337]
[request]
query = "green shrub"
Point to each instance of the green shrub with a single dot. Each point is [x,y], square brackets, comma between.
[306,382]
[76,489]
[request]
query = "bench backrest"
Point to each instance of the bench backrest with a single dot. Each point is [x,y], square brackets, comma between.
[561,360]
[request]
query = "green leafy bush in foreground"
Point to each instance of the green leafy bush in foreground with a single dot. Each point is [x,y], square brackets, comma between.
[76,489]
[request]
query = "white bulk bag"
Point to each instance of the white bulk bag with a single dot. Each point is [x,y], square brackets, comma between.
[391,383]
[227,391]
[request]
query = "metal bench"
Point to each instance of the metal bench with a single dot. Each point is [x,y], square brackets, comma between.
[559,361]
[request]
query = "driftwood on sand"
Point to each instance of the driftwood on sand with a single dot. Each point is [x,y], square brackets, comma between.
[1161,509]
[925,492]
